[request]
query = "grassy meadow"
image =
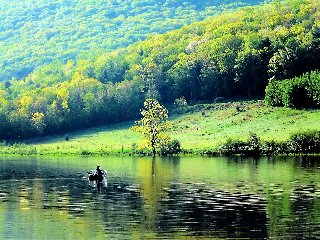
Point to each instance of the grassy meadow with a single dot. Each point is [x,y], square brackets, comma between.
[199,128]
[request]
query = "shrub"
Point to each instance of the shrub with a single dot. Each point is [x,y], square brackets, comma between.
[273,95]
[299,92]
[233,147]
[314,79]
[253,145]
[283,148]
[85,152]
[305,143]
[299,143]
[250,148]
[170,148]
[180,105]
[269,148]
[180,102]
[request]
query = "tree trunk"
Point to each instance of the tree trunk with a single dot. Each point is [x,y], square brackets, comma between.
[153,151]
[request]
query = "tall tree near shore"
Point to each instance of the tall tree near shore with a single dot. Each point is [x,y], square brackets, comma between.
[153,125]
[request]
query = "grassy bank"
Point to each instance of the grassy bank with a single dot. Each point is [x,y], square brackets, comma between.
[199,128]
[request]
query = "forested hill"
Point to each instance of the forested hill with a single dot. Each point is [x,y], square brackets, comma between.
[34,32]
[232,55]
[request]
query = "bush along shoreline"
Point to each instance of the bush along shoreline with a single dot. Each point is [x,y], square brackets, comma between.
[305,143]
[302,143]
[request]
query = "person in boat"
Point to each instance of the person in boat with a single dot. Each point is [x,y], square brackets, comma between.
[100,174]
[96,177]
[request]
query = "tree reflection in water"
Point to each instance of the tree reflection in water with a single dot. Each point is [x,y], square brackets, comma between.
[161,198]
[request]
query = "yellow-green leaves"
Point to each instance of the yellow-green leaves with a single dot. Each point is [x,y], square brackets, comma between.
[153,125]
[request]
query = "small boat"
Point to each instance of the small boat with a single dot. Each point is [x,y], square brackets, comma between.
[94,180]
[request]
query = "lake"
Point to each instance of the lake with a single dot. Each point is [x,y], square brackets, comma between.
[165,198]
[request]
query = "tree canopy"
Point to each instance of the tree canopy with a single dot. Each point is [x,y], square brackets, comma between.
[234,55]
[33,33]
[153,125]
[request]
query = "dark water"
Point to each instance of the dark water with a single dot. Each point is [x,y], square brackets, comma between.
[166,198]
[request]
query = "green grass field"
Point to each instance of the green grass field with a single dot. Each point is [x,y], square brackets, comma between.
[201,128]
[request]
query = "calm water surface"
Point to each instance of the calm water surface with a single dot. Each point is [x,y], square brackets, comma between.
[166,198]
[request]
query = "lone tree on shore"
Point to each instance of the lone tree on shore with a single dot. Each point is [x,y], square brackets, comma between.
[153,125]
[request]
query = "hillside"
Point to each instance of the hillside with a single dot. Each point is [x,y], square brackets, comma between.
[204,128]
[33,33]
[231,56]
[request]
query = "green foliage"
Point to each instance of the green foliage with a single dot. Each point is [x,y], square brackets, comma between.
[233,55]
[306,143]
[273,95]
[233,147]
[180,105]
[197,134]
[299,143]
[281,65]
[270,148]
[153,125]
[180,102]
[172,147]
[36,34]
[299,92]
[252,147]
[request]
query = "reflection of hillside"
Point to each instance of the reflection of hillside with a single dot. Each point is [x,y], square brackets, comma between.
[290,209]
[197,210]
[125,208]
[164,198]
[71,207]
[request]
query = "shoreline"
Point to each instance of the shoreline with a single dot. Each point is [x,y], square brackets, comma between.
[201,129]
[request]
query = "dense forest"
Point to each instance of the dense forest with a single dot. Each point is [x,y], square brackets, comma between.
[234,55]
[33,33]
